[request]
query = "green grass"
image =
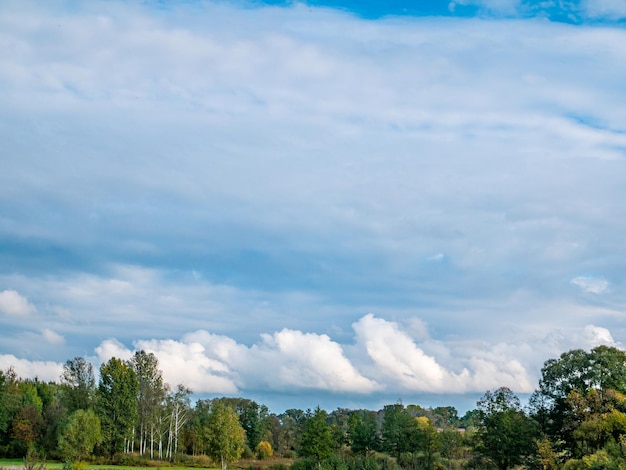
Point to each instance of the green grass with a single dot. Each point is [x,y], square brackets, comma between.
[19,463]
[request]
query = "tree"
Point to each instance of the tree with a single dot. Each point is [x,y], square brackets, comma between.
[117,404]
[80,435]
[505,434]
[80,384]
[150,398]
[576,373]
[177,405]
[399,430]
[317,439]
[362,432]
[224,436]
[251,416]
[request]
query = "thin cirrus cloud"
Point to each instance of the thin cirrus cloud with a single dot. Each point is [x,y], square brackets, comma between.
[240,187]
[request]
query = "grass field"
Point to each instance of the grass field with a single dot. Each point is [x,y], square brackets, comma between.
[19,464]
[6,464]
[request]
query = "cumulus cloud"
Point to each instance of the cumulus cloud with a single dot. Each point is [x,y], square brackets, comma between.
[12,303]
[191,363]
[591,284]
[384,358]
[43,370]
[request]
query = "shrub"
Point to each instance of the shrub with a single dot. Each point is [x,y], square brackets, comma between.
[264,450]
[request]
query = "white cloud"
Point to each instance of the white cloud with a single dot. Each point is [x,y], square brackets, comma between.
[52,337]
[307,361]
[113,348]
[383,359]
[591,284]
[193,365]
[43,370]
[12,303]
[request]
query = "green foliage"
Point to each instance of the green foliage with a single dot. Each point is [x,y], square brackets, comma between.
[80,435]
[79,384]
[34,460]
[224,436]
[363,432]
[505,434]
[317,439]
[400,431]
[116,404]
[569,380]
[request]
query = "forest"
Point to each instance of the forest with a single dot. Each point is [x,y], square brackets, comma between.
[575,419]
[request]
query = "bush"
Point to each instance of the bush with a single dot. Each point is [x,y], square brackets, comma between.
[264,450]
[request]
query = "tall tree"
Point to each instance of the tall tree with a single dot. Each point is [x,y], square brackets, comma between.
[576,372]
[399,430]
[224,436]
[178,407]
[80,384]
[150,399]
[506,435]
[117,404]
[317,439]
[362,432]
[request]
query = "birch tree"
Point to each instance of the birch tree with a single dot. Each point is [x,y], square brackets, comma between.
[224,436]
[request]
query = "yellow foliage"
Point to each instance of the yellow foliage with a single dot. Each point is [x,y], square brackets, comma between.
[264,450]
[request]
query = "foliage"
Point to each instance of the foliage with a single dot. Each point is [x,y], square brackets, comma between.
[79,384]
[116,404]
[224,436]
[80,435]
[577,420]
[264,450]
[317,439]
[505,434]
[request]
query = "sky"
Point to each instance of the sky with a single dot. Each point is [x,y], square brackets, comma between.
[338,203]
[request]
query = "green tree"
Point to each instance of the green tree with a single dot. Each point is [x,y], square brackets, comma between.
[79,435]
[224,436]
[317,439]
[79,384]
[576,373]
[363,432]
[400,431]
[506,435]
[117,404]
[150,399]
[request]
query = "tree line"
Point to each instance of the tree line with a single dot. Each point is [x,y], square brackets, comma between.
[575,420]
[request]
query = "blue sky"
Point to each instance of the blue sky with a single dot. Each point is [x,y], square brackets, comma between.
[335,203]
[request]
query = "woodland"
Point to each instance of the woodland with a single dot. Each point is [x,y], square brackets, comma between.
[574,420]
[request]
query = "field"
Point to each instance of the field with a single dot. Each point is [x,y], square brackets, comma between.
[19,464]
